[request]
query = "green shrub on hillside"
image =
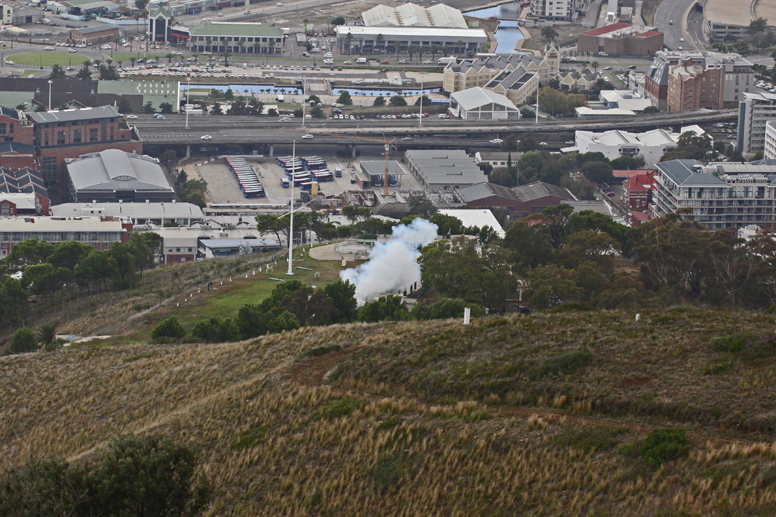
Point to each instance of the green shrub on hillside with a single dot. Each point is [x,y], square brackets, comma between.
[564,363]
[746,345]
[23,342]
[216,330]
[169,329]
[664,445]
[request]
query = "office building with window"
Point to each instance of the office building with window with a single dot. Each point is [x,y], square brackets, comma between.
[60,135]
[100,232]
[237,38]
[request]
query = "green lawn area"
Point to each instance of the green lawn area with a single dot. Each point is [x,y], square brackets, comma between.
[29,72]
[47,59]
[225,300]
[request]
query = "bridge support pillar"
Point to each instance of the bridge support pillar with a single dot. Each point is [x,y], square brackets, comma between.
[271,151]
[188,151]
[353,151]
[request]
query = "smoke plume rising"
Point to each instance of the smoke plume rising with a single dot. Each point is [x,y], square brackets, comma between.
[392,264]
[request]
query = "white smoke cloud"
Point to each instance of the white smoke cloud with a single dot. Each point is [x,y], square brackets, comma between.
[392,264]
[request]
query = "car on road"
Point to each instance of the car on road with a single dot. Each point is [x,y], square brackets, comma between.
[72,50]
[407,138]
[610,194]
[384,62]
[632,67]
[496,141]
[670,22]
[427,62]
[49,48]
[347,62]
[206,137]
[159,116]
[106,47]
[402,61]
[220,15]
[542,143]
[131,116]
[307,136]
[608,68]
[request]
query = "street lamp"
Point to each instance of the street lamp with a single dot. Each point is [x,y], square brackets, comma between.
[49,104]
[186,107]
[291,225]
[304,102]
[420,117]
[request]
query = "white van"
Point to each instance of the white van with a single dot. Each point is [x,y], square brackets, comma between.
[361,61]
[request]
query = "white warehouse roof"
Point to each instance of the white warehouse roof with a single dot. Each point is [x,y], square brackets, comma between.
[420,33]
[479,218]
[413,15]
[132,210]
[475,97]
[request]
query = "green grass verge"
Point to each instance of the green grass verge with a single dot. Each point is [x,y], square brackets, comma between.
[47,59]
[225,300]
[29,72]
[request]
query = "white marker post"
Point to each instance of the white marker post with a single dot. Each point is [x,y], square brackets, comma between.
[467,313]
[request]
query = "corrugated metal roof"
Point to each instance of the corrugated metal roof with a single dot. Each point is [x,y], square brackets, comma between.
[116,170]
[475,97]
[476,218]
[413,15]
[442,167]
[131,210]
[233,29]
[47,117]
[540,189]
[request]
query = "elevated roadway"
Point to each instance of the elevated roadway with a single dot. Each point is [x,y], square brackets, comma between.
[433,133]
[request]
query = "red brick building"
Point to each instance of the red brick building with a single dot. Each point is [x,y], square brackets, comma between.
[520,201]
[74,132]
[621,39]
[24,183]
[637,191]
[14,156]
[692,86]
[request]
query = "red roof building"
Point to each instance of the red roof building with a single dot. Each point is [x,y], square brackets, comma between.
[621,39]
[637,191]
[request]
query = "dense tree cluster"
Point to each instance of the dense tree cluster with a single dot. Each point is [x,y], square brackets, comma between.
[587,258]
[150,476]
[51,270]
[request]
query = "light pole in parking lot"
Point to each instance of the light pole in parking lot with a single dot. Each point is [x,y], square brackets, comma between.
[291,225]
[49,104]
[186,107]
[420,117]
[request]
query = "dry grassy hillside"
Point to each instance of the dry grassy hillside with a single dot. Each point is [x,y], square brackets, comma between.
[529,415]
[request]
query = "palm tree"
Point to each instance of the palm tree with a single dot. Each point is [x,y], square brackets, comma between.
[209,44]
[458,45]
[241,44]
[595,65]
[132,60]
[169,58]
[348,39]
[223,44]
[379,39]
[256,47]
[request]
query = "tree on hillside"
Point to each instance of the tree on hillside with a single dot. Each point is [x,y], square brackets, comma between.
[396,100]
[549,34]
[691,146]
[758,25]
[23,342]
[344,98]
[379,101]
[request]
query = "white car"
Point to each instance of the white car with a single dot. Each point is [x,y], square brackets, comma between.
[542,143]
[496,141]
[72,50]
[106,47]
[206,137]
[82,45]
[307,136]
[347,62]
[426,62]
[48,48]
[131,117]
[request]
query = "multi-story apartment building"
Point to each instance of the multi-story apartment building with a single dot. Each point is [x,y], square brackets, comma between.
[60,135]
[722,195]
[15,126]
[739,75]
[468,73]
[754,111]
[562,10]
[100,232]
[694,86]
[637,191]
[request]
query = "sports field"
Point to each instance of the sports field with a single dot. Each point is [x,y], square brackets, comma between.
[47,59]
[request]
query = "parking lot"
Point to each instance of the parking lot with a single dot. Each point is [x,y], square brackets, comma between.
[223,187]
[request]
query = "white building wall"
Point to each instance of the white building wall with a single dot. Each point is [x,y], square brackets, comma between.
[651,154]
[770,140]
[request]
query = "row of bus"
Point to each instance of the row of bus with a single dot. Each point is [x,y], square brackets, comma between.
[246,176]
